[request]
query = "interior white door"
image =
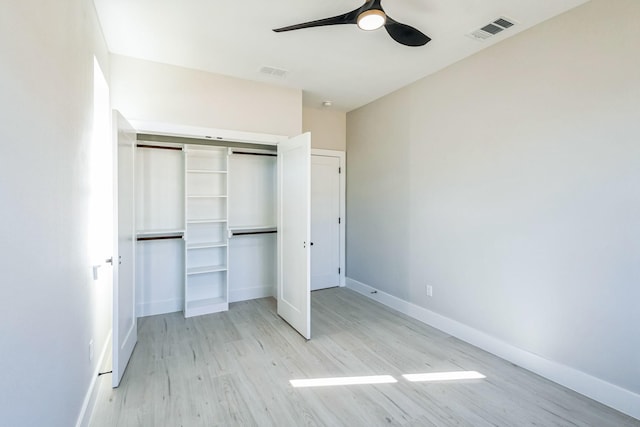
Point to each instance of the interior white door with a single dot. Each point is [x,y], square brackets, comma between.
[325,228]
[125,334]
[294,176]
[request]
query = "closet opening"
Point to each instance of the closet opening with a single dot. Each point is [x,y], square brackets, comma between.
[206,224]
[216,221]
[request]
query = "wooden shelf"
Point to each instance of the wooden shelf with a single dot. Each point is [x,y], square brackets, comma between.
[206,269]
[206,245]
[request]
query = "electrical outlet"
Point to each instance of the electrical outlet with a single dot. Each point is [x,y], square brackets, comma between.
[429,290]
[91,351]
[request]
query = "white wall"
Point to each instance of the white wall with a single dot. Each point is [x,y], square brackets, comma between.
[510,182]
[150,91]
[328,128]
[50,306]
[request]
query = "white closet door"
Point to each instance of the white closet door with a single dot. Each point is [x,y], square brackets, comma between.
[325,229]
[294,176]
[125,333]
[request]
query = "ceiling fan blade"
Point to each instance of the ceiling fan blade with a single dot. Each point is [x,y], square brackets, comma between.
[346,18]
[405,34]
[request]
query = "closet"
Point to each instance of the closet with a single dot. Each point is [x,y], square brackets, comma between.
[206,226]
[203,222]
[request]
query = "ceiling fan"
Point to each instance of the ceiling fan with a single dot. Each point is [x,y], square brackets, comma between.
[369,16]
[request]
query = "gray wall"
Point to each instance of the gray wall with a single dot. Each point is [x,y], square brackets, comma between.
[328,128]
[510,182]
[378,198]
[50,306]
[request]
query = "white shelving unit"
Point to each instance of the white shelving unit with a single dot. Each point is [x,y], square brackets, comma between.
[206,216]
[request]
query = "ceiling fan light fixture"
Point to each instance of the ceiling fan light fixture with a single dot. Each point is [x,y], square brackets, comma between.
[371,19]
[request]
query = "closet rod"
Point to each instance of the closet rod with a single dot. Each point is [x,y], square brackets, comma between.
[142,239]
[255,154]
[246,233]
[159,147]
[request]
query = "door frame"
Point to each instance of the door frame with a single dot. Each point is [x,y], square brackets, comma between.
[342,157]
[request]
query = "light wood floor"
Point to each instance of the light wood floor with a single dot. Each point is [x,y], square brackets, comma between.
[233,369]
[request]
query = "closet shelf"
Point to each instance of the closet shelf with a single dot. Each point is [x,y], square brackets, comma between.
[205,221]
[206,269]
[205,171]
[206,245]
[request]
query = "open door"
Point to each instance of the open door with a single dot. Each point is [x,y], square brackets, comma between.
[294,201]
[125,328]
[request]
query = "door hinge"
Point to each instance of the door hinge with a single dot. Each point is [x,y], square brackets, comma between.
[339,170]
[339,220]
[338,270]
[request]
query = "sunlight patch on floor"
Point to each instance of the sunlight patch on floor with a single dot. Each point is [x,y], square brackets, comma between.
[387,379]
[444,376]
[324,382]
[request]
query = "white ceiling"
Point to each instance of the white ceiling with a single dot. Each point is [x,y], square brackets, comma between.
[339,63]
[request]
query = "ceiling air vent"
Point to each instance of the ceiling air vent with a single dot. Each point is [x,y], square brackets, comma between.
[274,72]
[492,28]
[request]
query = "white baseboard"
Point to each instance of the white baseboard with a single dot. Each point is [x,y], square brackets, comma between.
[159,307]
[606,393]
[236,295]
[92,393]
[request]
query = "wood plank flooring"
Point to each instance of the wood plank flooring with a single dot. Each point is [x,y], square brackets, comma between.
[233,369]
